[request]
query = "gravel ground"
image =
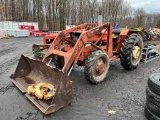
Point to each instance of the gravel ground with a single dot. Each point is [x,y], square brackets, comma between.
[122,91]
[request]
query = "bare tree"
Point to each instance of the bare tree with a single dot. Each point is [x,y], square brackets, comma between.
[55,14]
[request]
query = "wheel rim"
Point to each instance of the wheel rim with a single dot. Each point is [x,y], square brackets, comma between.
[100,69]
[136,53]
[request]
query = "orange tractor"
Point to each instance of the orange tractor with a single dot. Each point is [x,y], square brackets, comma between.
[87,45]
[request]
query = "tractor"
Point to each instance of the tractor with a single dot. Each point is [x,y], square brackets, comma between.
[90,45]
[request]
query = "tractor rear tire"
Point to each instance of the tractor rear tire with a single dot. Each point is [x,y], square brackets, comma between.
[96,66]
[128,60]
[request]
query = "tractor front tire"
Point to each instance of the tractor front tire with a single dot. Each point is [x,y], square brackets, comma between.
[96,66]
[131,52]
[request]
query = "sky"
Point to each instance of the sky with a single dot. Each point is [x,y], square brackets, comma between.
[147,5]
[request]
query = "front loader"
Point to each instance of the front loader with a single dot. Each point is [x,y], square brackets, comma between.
[87,45]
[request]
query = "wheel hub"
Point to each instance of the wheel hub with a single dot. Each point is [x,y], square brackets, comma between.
[100,66]
[136,52]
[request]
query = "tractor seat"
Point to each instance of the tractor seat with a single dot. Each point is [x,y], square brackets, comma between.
[75,36]
[116,31]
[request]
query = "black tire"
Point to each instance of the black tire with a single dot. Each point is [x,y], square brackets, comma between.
[153,109]
[149,36]
[126,57]
[154,83]
[149,115]
[146,34]
[143,36]
[91,73]
[152,98]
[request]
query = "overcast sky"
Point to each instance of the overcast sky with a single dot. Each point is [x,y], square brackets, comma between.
[148,5]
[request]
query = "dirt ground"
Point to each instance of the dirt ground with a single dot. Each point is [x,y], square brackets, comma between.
[122,91]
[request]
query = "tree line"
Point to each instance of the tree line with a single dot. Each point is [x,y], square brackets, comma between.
[56,14]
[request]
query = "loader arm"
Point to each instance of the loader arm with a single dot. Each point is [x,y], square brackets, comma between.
[73,54]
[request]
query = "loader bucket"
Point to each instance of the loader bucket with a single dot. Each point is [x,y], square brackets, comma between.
[31,71]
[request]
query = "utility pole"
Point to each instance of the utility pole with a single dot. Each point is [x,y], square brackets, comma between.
[100,13]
